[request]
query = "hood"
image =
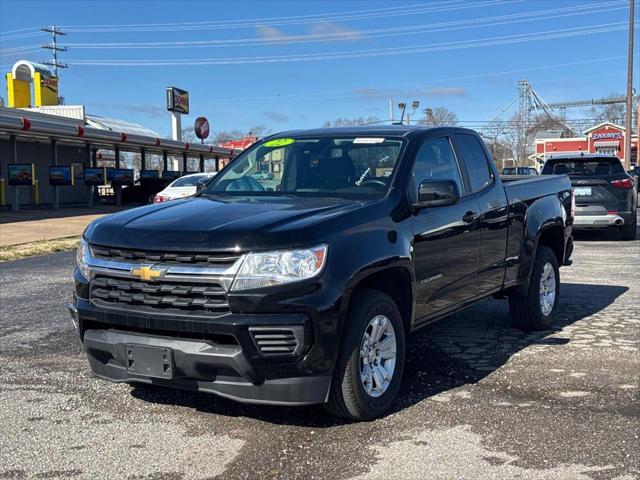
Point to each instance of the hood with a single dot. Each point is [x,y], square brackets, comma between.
[215,224]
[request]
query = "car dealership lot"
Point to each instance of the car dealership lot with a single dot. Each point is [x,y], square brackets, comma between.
[479,399]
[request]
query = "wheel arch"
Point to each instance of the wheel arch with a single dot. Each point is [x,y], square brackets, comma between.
[396,279]
[544,226]
[553,237]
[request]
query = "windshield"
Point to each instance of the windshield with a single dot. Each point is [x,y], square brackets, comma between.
[320,166]
[190,181]
[593,166]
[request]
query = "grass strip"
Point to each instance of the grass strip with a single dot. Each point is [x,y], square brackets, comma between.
[42,247]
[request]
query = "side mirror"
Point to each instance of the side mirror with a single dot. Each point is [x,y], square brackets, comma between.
[437,193]
[200,185]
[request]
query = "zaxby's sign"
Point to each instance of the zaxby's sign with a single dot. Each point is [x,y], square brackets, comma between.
[177,100]
[607,136]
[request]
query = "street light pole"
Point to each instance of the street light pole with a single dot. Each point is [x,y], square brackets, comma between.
[627,134]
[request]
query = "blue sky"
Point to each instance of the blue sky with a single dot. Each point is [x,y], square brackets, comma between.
[294,64]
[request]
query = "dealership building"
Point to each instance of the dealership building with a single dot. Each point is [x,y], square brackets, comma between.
[51,154]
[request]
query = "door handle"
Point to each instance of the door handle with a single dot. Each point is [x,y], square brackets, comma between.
[469,217]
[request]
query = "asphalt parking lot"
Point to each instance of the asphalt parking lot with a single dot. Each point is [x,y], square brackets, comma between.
[479,399]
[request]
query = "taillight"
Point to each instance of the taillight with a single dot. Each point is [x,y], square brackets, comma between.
[159,198]
[626,183]
[573,204]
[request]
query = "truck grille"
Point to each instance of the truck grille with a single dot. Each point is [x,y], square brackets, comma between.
[178,297]
[277,340]
[184,258]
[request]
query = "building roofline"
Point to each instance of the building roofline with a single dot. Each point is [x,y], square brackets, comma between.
[571,139]
[20,125]
[603,124]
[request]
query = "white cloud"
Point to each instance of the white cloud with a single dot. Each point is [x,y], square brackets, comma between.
[317,31]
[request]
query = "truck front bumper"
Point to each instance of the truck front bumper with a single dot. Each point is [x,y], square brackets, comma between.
[219,356]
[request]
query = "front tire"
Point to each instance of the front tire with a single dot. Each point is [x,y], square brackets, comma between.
[371,359]
[533,306]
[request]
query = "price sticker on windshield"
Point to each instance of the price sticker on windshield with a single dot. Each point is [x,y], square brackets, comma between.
[368,140]
[279,142]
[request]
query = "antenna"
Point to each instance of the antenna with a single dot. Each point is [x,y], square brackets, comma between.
[53,46]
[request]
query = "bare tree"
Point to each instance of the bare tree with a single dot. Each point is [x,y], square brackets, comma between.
[517,135]
[255,131]
[613,112]
[439,116]
[348,122]
[189,135]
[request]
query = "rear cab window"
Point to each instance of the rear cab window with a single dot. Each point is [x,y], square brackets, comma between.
[583,167]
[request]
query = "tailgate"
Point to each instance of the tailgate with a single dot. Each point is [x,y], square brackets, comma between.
[594,191]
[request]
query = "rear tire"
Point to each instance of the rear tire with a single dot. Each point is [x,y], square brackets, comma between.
[533,306]
[361,387]
[628,232]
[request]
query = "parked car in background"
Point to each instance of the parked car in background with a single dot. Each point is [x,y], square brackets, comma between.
[184,186]
[519,171]
[302,289]
[605,194]
[143,192]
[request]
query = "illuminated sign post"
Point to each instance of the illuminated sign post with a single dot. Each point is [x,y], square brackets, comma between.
[177,104]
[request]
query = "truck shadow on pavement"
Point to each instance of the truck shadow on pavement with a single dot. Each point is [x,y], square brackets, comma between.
[459,350]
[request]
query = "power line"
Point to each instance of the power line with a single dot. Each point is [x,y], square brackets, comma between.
[263,21]
[424,48]
[18,50]
[372,33]
[97,28]
[383,90]
[28,29]
[19,36]
[237,24]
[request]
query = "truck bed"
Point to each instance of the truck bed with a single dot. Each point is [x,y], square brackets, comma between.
[519,188]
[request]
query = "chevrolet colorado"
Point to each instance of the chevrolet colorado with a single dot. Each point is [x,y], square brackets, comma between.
[300,287]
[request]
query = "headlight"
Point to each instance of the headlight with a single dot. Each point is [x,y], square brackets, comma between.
[276,268]
[81,258]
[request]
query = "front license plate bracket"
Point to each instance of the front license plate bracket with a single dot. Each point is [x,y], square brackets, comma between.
[149,361]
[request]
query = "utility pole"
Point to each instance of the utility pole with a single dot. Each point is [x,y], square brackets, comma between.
[524,116]
[391,110]
[53,46]
[627,133]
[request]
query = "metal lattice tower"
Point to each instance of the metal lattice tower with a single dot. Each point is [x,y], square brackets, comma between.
[524,117]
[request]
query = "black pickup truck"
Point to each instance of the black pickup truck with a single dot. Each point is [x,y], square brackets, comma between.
[300,287]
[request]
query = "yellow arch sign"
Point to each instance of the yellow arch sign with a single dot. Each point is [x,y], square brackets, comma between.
[45,85]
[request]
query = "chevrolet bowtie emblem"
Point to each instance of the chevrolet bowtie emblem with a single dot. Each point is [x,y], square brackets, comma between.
[147,272]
